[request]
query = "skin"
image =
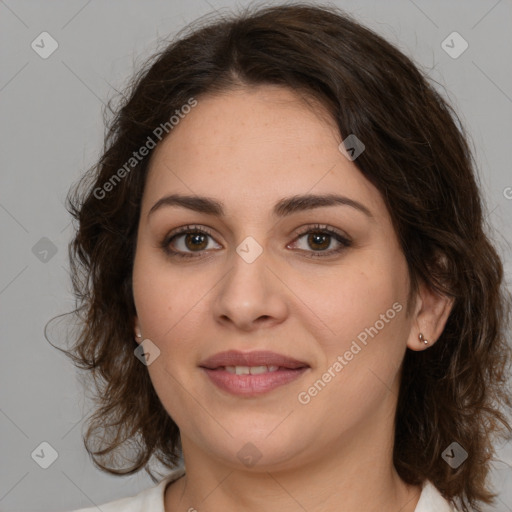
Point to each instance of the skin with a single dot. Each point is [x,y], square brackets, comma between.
[249,148]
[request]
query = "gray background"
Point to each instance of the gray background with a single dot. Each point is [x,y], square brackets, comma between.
[52,130]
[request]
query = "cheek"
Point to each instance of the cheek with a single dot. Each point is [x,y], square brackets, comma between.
[370,322]
[356,298]
[361,361]
[165,296]
[168,304]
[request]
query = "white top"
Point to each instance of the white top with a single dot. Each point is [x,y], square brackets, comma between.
[152,499]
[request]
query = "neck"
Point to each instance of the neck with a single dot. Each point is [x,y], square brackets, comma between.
[326,485]
[233,490]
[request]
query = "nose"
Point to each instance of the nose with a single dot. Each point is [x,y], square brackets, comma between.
[251,295]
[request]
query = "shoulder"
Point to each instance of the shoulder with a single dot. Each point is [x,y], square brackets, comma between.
[431,500]
[150,500]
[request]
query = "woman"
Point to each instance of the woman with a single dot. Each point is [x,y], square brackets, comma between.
[289,298]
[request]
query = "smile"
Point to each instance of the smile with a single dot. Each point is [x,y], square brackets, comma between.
[250,374]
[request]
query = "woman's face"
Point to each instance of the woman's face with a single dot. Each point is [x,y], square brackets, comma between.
[264,275]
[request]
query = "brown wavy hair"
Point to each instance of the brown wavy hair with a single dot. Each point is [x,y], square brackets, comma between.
[417,155]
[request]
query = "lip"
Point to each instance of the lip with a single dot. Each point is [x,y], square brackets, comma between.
[255,358]
[289,369]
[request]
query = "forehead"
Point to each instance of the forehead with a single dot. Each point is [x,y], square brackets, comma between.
[250,147]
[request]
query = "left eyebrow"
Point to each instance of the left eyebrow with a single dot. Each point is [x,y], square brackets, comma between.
[282,208]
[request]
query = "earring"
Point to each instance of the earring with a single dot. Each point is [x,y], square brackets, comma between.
[139,335]
[420,336]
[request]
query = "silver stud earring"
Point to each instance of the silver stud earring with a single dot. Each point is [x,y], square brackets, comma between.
[139,335]
[420,336]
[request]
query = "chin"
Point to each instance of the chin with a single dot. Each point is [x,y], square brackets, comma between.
[258,450]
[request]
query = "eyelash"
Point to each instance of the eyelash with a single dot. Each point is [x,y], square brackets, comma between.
[317,229]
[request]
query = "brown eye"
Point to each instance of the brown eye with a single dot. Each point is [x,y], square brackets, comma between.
[188,242]
[318,241]
[196,241]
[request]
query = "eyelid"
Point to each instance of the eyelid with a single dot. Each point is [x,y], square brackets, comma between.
[190,227]
[183,230]
[323,228]
[339,235]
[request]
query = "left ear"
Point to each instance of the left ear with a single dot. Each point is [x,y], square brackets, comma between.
[137,332]
[431,313]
